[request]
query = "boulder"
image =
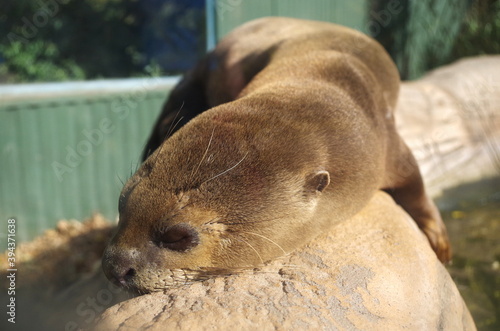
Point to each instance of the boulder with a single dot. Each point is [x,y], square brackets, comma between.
[451,121]
[375,271]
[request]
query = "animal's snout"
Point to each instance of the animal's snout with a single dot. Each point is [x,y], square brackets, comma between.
[119,266]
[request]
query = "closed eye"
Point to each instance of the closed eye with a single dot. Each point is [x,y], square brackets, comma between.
[179,237]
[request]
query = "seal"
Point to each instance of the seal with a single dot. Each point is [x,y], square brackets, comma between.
[288,131]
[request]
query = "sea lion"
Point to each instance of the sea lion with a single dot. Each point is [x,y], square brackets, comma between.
[298,137]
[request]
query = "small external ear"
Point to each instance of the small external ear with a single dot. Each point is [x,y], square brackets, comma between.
[318,181]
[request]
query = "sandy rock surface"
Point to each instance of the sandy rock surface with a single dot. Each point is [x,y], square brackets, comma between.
[59,283]
[373,272]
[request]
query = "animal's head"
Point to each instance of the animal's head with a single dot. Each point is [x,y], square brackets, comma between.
[217,195]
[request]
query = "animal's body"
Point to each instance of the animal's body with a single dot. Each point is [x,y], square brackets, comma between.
[298,136]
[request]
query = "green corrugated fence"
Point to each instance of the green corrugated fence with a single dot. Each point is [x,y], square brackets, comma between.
[419,35]
[228,14]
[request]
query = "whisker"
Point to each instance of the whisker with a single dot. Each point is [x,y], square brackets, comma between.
[244,222]
[131,169]
[173,124]
[170,129]
[120,179]
[226,171]
[193,174]
[158,151]
[186,205]
[260,257]
[212,221]
[264,237]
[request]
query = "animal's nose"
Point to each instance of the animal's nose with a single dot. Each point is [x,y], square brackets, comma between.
[119,266]
[122,276]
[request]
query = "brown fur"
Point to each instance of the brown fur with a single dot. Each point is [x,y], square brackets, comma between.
[300,136]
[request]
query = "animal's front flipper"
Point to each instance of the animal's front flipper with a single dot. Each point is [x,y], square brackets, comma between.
[404,183]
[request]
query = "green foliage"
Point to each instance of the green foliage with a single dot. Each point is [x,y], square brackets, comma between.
[428,33]
[38,61]
[480,33]
[54,40]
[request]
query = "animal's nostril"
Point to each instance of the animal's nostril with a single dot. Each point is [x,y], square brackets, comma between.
[178,237]
[130,274]
[125,277]
[119,267]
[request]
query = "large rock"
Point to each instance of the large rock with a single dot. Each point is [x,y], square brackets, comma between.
[375,271]
[451,121]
